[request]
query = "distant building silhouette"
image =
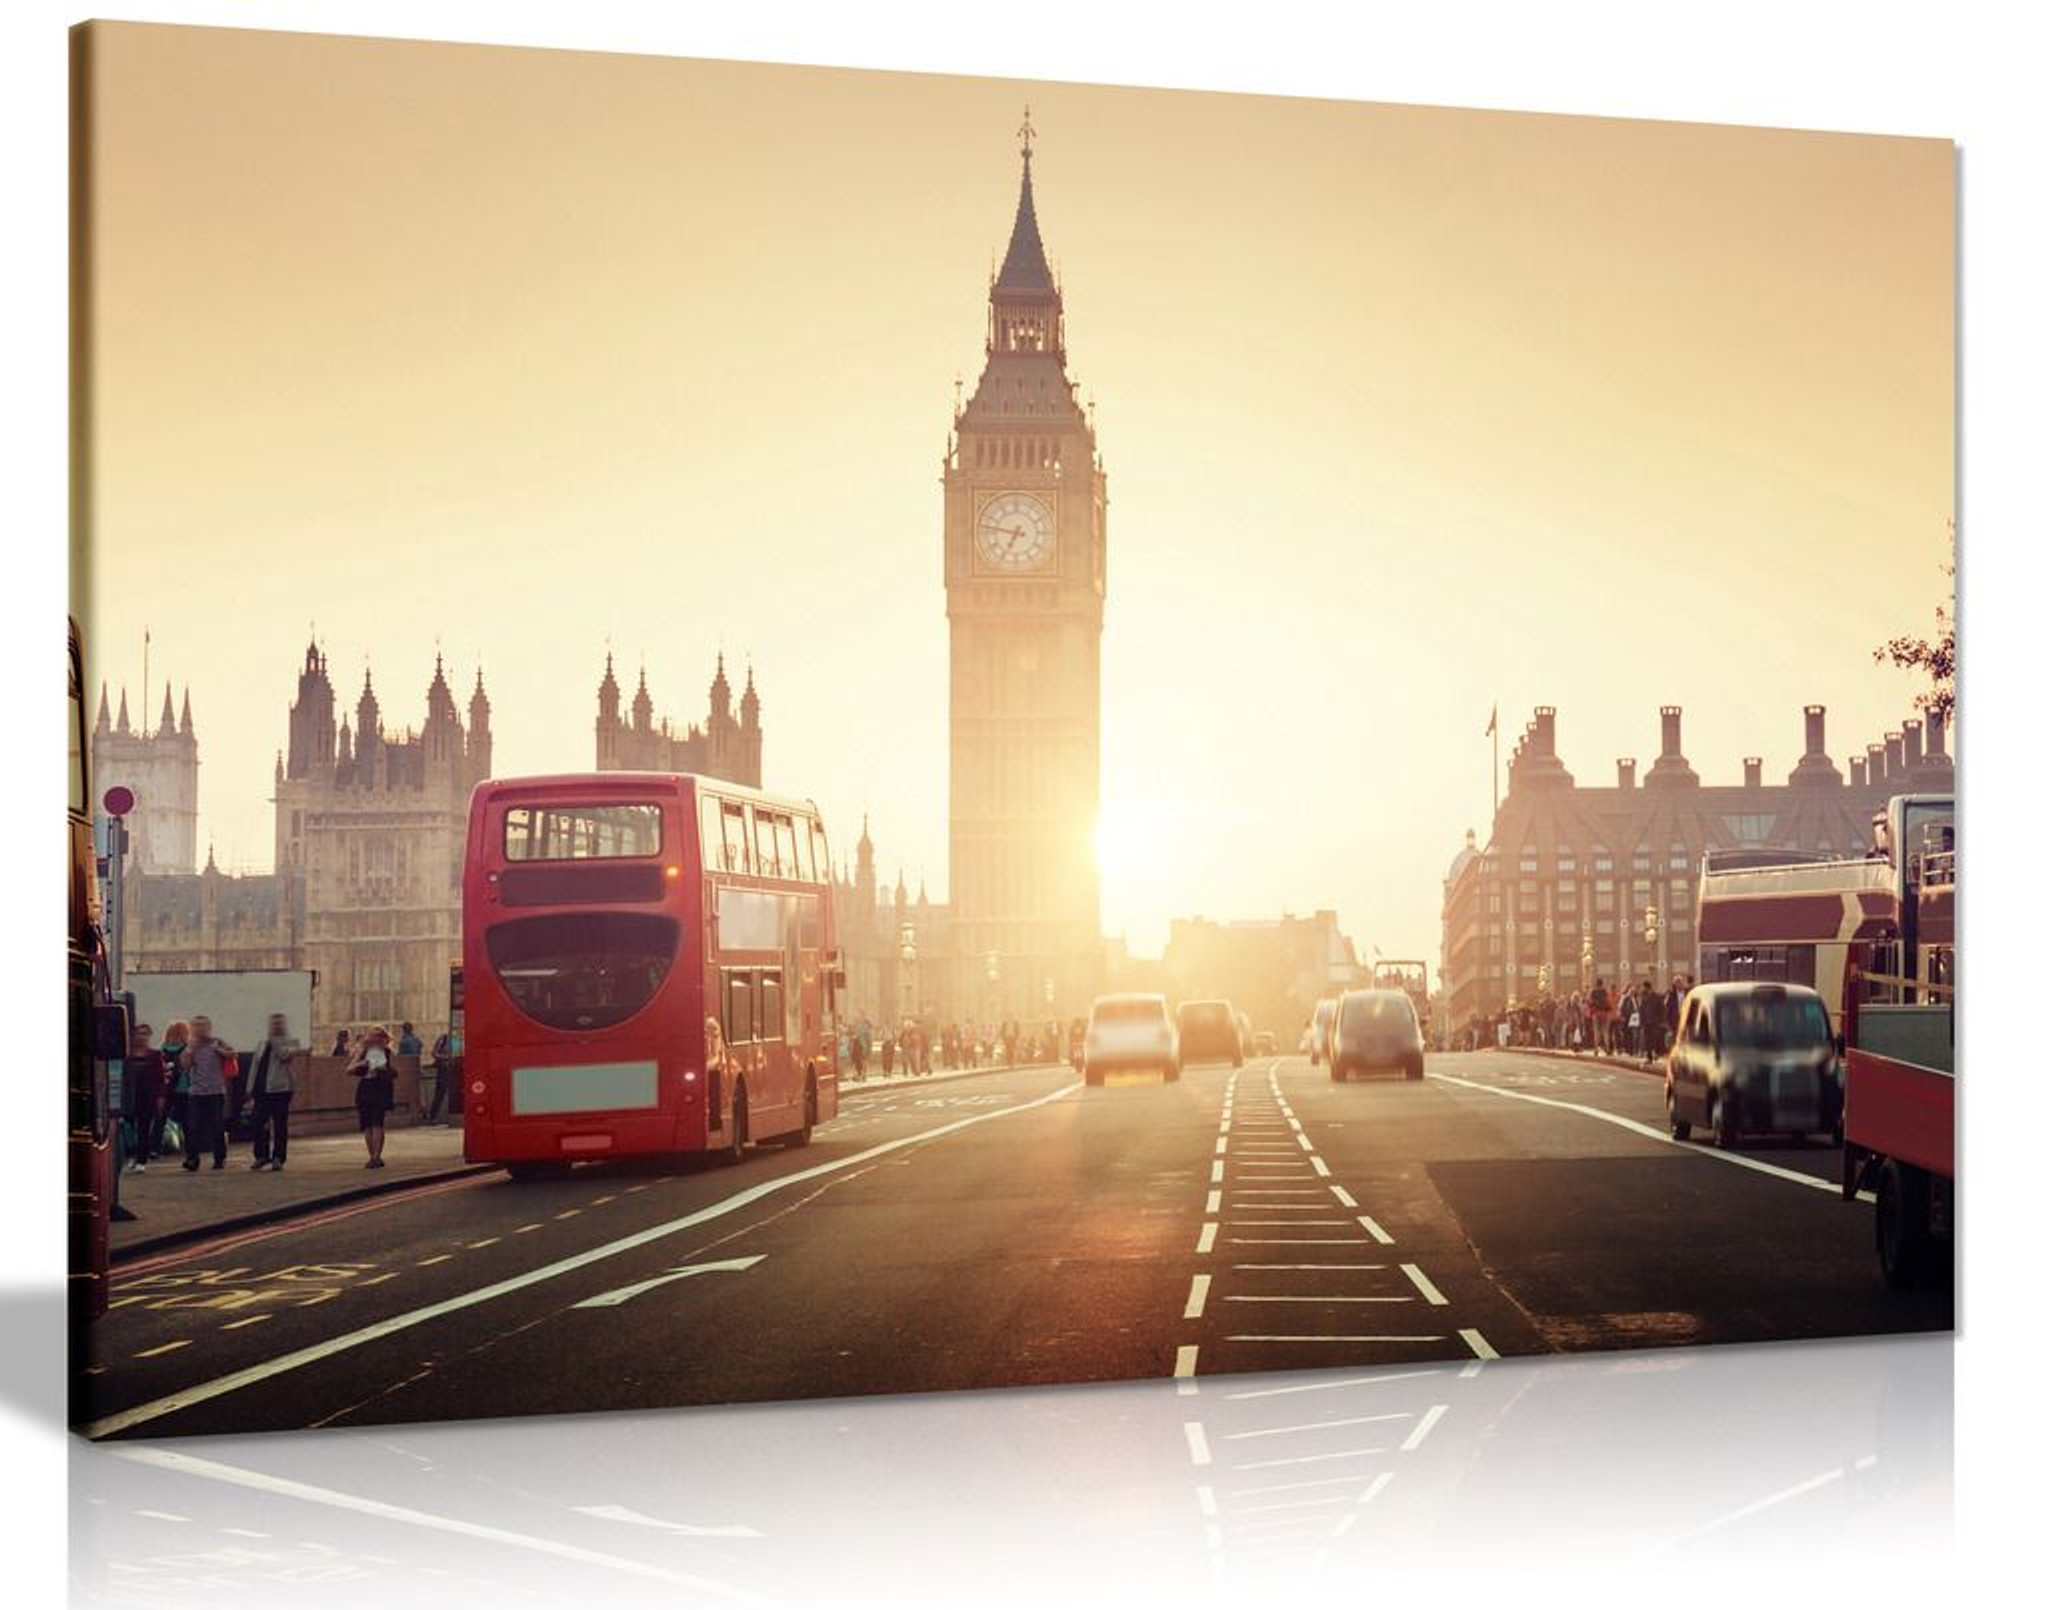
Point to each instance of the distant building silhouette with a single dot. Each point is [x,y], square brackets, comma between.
[726,746]
[1568,871]
[161,768]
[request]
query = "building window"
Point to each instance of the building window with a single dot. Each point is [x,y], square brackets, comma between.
[1603,863]
[1567,865]
[1603,897]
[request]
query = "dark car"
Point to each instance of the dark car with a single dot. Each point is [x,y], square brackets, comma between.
[1208,1033]
[1751,1058]
[1375,1028]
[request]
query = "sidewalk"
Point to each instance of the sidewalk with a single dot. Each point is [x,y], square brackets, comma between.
[172,1207]
[1654,1070]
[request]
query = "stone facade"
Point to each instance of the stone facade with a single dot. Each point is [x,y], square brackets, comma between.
[161,768]
[1273,971]
[1559,894]
[1024,562]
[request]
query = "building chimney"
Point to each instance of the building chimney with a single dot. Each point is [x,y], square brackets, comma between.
[1912,737]
[1752,771]
[1671,713]
[1937,733]
[1816,729]
[1875,752]
[1546,729]
[1856,771]
[1625,773]
[1814,766]
[1894,756]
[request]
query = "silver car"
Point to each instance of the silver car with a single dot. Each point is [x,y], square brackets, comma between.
[1375,1028]
[1130,1031]
[1753,1059]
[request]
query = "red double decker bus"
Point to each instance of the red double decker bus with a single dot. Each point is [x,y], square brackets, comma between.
[649,968]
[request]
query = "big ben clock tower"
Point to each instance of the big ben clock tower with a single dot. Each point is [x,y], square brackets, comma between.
[1026,507]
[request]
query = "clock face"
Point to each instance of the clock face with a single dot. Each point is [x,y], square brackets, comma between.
[1014,532]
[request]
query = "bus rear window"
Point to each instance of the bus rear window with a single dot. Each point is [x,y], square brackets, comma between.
[583,970]
[581,832]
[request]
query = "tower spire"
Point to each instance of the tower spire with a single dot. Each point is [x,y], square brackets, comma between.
[1024,266]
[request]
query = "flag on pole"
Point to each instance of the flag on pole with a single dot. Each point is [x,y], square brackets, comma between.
[1493,721]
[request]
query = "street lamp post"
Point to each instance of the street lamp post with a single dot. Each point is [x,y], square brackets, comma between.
[906,955]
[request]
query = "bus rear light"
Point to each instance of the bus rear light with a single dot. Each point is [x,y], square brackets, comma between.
[673,871]
[689,1076]
[476,1087]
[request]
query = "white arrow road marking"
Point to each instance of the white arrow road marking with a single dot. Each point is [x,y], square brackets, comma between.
[625,1294]
[204,1391]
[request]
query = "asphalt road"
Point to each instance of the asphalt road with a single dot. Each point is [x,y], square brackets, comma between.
[1019,1229]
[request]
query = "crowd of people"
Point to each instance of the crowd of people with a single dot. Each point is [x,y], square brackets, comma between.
[1615,1020]
[192,1094]
[918,1045]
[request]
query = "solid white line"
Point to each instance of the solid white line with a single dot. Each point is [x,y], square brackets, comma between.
[1429,1420]
[1372,1228]
[1316,1425]
[1424,1285]
[1198,1444]
[1198,1298]
[186,1465]
[1756,1165]
[1324,1386]
[1184,1362]
[1481,1348]
[1344,1196]
[1319,1166]
[205,1391]
[1207,1240]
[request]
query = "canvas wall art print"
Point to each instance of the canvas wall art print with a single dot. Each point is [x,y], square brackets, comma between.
[748,733]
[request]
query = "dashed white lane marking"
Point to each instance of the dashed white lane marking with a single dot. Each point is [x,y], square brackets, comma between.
[1319,1165]
[1325,1386]
[1428,1423]
[1481,1347]
[1216,1172]
[1205,1498]
[1292,1503]
[1317,1425]
[1308,1266]
[1341,1338]
[1198,1442]
[1308,1459]
[1296,1486]
[1215,1204]
[428,1263]
[1294,1241]
[168,1347]
[492,1240]
[1755,1164]
[1275,1190]
[1306,1144]
[205,1391]
[253,1319]
[1206,1241]
[1344,1196]
[524,1228]
[1184,1362]
[1372,1228]
[1222,1145]
[1198,1298]
[1424,1285]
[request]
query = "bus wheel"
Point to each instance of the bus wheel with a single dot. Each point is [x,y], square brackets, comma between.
[802,1137]
[1901,1225]
[735,1148]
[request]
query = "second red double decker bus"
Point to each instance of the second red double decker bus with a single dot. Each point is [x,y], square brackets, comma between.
[649,968]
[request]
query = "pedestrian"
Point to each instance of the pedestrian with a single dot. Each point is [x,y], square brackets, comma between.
[857,1045]
[376,1088]
[1601,1011]
[270,1094]
[207,1062]
[447,1074]
[340,1047]
[148,1091]
[408,1042]
[178,1097]
[888,1055]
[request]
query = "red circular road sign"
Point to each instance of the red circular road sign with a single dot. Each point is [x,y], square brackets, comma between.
[119,801]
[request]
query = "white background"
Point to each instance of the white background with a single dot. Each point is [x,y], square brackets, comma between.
[1967,71]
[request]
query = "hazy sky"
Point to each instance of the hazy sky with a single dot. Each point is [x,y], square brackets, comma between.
[1404,412]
